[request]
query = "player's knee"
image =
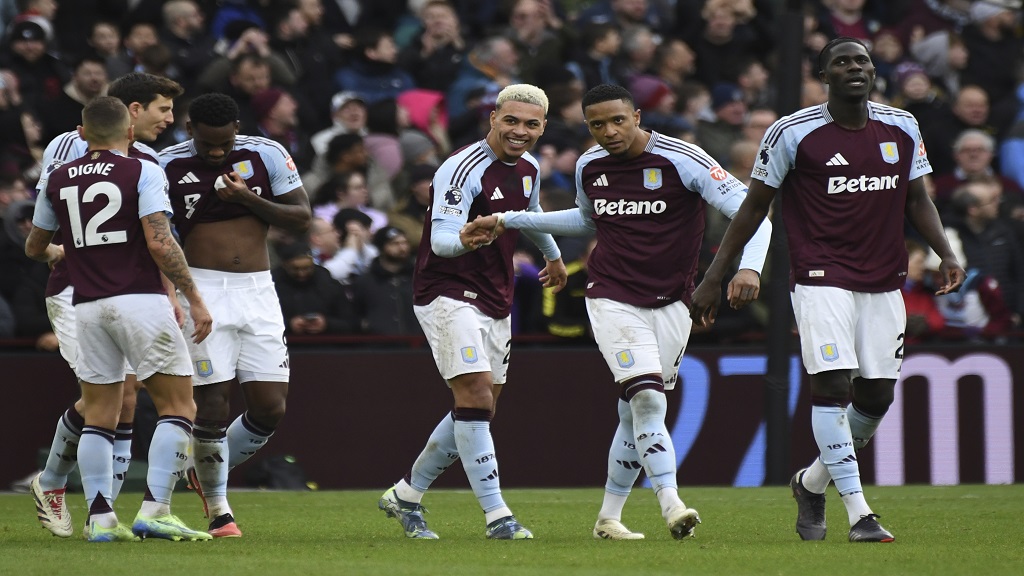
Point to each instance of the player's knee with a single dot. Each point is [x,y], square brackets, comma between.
[874,404]
[830,388]
[269,414]
[212,406]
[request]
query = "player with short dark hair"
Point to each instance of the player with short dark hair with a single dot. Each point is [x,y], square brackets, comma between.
[850,171]
[227,190]
[113,208]
[463,300]
[644,195]
[150,103]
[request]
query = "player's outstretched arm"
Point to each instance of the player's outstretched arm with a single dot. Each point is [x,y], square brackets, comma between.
[922,214]
[708,295]
[171,261]
[482,231]
[289,211]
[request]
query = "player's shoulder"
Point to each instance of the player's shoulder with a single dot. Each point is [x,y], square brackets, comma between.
[891,115]
[178,151]
[144,152]
[532,160]
[65,147]
[678,151]
[593,153]
[797,124]
[261,145]
[456,169]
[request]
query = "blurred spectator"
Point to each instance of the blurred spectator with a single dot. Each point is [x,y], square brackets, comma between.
[623,14]
[21,143]
[105,42]
[276,114]
[347,153]
[636,55]
[14,264]
[847,18]
[347,190]
[357,249]
[185,34]
[433,58]
[348,115]
[757,123]
[12,189]
[976,312]
[41,12]
[409,213]
[995,50]
[238,59]
[374,74]
[565,312]
[250,75]
[598,46]
[718,135]
[427,116]
[741,160]
[141,35]
[383,294]
[924,321]
[40,74]
[721,48]
[887,54]
[989,243]
[311,301]
[538,37]
[490,66]
[320,57]
[657,104]
[970,110]
[812,92]
[63,113]
[943,55]
[913,92]
[753,79]
[229,11]
[310,63]
[324,240]
[384,120]
[973,151]
[674,62]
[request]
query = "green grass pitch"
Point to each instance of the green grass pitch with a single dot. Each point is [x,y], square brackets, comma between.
[939,530]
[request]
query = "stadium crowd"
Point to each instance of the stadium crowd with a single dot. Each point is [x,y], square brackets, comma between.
[369,97]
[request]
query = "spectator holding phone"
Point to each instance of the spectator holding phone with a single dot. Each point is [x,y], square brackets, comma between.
[311,301]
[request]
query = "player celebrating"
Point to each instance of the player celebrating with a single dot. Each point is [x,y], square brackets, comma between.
[150,102]
[113,209]
[463,298]
[644,195]
[850,171]
[227,190]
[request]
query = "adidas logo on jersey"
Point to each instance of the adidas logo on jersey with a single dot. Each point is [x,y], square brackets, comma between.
[497,194]
[189,178]
[601,181]
[837,160]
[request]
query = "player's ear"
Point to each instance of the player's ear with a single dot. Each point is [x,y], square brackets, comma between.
[636,117]
[81,131]
[134,108]
[494,117]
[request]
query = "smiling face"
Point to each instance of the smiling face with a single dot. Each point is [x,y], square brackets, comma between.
[151,120]
[848,71]
[515,128]
[615,125]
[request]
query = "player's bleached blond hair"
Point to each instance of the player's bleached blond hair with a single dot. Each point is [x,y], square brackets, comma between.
[526,93]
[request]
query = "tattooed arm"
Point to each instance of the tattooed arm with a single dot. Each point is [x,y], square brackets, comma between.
[171,261]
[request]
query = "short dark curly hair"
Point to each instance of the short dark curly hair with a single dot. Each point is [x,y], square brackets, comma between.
[213,109]
[823,55]
[605,93]
[143,88]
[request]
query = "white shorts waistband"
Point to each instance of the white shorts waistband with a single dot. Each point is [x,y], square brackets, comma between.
[215,279]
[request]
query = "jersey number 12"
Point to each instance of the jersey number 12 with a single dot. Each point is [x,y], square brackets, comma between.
[92,236]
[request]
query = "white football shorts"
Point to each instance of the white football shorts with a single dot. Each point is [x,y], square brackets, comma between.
[247,340]
[137,327]
[61,313]
[844,330]
[636,341]
[464,340]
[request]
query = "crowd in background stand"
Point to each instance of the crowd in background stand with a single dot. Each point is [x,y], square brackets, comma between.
[369,96]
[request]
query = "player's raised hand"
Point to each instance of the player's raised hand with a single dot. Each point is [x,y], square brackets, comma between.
[704,303]
[743,288]
[554,275]
[952,274]
[231,187]
[201,320]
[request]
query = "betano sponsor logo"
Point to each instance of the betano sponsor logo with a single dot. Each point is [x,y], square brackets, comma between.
[839,184]
[622,206]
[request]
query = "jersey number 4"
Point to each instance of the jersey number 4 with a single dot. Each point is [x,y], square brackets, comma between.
[92,235]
